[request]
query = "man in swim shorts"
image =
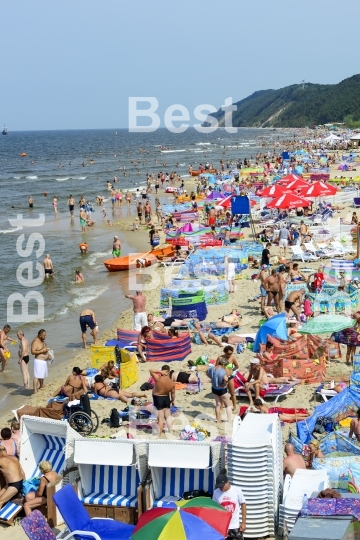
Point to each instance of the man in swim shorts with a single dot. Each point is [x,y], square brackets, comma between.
[88,319]
[48,266]
[116,252]
[293,302]
[24,358]
[272,286]
[13,475]
[139,307]
[163,389]
[71,204]
[263,275]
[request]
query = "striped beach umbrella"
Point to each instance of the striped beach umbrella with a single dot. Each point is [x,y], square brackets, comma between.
[184,520]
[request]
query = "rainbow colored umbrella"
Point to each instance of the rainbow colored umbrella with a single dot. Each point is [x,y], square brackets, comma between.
[185,520]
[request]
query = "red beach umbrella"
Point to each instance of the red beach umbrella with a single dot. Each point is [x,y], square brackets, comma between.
[274,191]
[289,201]
[289,178]
[225,203]
[299,183]
[319,189]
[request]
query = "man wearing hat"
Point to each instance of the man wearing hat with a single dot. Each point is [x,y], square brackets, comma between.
[255,380]
[232,499]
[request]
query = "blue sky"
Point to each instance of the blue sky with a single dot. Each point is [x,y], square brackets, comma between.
[74,64]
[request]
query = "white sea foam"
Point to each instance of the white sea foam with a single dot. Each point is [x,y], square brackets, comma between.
[63,179]
[82,297]
[32,177]
[94,256]
[6,231]
[16,177]
[79,177]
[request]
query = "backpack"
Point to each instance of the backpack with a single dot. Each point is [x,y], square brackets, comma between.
[114,418]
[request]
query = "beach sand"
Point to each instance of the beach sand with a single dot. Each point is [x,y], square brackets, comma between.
[198,407]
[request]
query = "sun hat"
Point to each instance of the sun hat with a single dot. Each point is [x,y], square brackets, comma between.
[255,361]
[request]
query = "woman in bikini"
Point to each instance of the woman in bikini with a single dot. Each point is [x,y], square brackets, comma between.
[109,372]
[231,367]
[38,498]
[144,336]
[104,390]
[265,409]
[74,387]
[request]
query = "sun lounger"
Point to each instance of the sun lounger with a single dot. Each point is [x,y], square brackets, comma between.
[300,255]
[176,262]
[344,250]
[325,393]
[78,520]
[277,393]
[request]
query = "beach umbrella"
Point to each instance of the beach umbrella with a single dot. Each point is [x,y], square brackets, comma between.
[184,520]
[288,201]
[276,190]
[185,228]
[215,195]
[299,183]
[325,324]
[319,189]
[225,203]
[289,178]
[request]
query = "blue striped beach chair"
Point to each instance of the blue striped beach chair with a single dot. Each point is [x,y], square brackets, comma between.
[111,473]
[42,439]
[178,467]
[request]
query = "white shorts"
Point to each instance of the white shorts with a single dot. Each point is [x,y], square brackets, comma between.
[140,320]
[283,242]
[40,369]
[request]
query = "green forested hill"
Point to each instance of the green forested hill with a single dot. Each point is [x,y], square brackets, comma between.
[295,106]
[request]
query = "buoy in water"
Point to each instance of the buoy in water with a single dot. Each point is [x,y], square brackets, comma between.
[23,154]
[45,193]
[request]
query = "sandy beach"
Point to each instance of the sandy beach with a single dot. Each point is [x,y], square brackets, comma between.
[198,408]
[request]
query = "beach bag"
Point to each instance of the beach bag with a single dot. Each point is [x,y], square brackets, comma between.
[85,404]
[114,418]
[187,495]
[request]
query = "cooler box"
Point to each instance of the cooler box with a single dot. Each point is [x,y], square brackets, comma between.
[325,529]
[100,355]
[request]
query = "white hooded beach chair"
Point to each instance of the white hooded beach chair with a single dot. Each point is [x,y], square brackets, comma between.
[111,475]
[50,440]
[180,466]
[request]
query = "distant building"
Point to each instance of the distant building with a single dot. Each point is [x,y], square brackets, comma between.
[355,140]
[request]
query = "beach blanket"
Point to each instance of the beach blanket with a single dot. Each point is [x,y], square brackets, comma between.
[281,410]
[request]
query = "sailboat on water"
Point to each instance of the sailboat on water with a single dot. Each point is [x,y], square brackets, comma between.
[4,131]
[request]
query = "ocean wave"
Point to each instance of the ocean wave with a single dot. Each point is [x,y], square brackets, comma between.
[84,296]
[32,177]
[6,231]
[70,178]
[91,260]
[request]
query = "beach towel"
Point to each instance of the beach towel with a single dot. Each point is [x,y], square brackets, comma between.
[40,369]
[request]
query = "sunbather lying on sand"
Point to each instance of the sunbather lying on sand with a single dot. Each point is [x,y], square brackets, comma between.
[265,409]
[104,390]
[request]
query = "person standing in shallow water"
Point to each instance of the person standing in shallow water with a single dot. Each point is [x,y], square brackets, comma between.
[24,358]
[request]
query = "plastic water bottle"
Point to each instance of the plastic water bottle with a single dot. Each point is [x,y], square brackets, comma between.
[304,506]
